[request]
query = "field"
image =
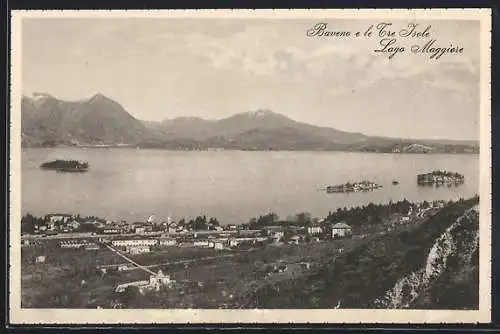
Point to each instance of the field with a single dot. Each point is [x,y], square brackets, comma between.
[205,277]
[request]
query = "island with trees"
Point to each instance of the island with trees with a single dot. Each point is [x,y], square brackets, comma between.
[353,187]
[66,166]
[438,178]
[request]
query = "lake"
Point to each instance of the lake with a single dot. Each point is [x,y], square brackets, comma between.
[232,186]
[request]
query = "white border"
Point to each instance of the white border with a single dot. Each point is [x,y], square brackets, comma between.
[71,316]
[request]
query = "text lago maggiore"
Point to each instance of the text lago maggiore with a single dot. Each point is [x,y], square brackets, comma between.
[390,39]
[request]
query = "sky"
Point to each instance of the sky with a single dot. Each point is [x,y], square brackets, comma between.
[159,68]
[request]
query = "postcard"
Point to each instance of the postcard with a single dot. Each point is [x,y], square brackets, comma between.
[250,166]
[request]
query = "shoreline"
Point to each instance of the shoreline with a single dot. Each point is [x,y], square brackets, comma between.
[247,150]
[274,220]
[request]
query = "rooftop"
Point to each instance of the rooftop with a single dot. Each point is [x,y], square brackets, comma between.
[341,225]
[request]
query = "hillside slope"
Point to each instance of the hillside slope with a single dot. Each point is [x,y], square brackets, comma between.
[434,265]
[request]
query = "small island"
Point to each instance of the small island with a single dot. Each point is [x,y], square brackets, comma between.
[438,178]
[353,187]
[66,166]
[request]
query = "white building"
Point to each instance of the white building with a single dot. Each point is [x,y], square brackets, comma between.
[405,219]
[158,280]
[134,242]
[73,243]
[40,259]
[275,231]
[167,242]
[341,230]
[154,283]
[218,245]
[123,267]
[92,246]
[59,218]
[314,230]
[73,224]
[171,229]
[134,250]
[140,230]
[201,243]
[111,231]
[233,242]
[294,240]
[278,234]
[305,265]
[276,239]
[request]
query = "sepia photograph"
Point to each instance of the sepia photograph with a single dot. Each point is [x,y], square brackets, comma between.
[250,166]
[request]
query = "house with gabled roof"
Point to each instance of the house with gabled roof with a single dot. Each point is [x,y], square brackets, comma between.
[340,230]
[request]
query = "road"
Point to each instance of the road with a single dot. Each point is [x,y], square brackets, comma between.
[206,258]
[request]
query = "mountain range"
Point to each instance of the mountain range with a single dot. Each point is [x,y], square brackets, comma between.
[101,121]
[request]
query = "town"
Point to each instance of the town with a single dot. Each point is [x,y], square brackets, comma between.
[141,237]
[106,259]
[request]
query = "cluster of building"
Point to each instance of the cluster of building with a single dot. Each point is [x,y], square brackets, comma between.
[143,237]
[418,211]
[65,223]
[220,239]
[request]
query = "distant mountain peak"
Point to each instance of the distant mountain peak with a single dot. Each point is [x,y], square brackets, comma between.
[100,98]
[260,113]
[94,120]
[37,96]
[96,96]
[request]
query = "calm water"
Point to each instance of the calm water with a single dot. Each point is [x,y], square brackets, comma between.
[230,185]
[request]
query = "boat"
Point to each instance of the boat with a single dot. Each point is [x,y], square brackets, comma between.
[395,182]
[72,166]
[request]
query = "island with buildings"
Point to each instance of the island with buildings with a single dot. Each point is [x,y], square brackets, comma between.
[438,178]
[65,166]
[353,187]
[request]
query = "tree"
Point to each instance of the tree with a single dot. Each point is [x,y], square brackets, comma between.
[28,223]
[130,296]
[303,219]
[214,221]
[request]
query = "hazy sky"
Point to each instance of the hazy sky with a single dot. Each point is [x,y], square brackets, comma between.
[213,68]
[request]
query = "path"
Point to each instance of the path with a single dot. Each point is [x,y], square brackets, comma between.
[174,262]
[130,260]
